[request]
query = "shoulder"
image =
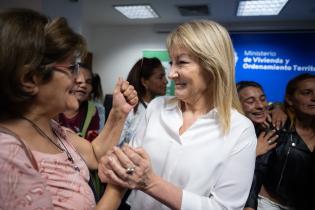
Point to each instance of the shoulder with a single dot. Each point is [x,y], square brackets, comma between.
[240,121]
[19,178]
[242,130]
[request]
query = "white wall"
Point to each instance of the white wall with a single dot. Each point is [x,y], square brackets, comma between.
[116,49]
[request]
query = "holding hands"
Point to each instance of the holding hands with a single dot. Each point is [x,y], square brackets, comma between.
[127,167]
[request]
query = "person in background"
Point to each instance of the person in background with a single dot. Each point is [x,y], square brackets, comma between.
[285,175]
[84,120]
[197,151]
[42,164]
[147,76]
[97,97]
[255,107]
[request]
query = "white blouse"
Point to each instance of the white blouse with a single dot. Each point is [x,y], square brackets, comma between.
[215,171]
[132,123]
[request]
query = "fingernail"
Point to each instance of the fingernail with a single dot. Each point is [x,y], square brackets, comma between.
[110,158]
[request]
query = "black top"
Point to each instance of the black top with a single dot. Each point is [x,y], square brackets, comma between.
[287,173]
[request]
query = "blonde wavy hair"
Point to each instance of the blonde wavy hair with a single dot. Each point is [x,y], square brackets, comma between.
[211,44]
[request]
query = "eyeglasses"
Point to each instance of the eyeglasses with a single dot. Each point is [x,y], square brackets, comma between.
[73,69]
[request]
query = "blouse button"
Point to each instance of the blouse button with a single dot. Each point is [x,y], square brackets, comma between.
[293,144]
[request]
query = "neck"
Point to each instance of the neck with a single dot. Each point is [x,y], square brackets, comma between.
[199,106]
[197,109]
[42,122]
[305,123]
[147,97]
[71,113]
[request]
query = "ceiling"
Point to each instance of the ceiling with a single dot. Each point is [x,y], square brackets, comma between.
[296,15]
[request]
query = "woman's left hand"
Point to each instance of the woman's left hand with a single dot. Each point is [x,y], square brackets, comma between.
[127,167]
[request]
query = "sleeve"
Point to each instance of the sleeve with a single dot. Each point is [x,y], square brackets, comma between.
[21,186]
[93,128]
[136,139]
[125,135]
[101,114]
[252,200]
[232,187]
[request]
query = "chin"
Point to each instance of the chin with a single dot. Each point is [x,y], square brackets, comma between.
[258,121]
[72,104]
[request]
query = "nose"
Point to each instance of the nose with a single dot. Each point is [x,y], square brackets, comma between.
[173,74]
[80,79]
[260,104]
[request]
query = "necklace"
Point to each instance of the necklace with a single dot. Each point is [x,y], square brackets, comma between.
[57,144]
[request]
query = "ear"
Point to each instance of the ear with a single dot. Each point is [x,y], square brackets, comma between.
[144,83]
[29,82]
[288,100]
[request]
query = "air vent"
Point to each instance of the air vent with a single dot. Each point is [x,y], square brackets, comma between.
[193,10]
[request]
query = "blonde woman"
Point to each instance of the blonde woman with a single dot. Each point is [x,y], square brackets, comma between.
[196,150]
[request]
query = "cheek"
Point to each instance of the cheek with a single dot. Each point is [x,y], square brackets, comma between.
[248,108]
[89,89]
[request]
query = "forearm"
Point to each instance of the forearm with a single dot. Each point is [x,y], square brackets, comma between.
[165,192]
[110,134]
[111,199]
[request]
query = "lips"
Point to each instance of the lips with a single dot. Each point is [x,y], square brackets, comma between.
[180,84]
[80,92]
[259,114]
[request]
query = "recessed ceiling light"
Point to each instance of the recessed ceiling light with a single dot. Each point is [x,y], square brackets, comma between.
[260,7]
[137,11]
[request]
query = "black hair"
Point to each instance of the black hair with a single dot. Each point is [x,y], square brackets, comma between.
[244,84]
[143,68]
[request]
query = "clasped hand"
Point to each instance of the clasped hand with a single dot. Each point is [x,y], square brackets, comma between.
[124,97]
[127,167]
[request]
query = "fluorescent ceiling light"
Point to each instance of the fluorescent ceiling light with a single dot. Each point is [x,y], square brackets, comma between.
[137,11]
[260,7]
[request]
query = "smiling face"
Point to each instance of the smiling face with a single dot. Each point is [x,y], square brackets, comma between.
[254,104]
[303,98]
[192,82]
[56,96]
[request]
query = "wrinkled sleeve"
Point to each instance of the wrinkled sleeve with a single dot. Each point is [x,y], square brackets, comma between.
[21,186]
[232,188]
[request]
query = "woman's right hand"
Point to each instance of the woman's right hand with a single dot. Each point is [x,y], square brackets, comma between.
[127,167]
[265,142]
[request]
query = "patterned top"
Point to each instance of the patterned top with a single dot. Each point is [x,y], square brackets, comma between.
[55,185]
[133,122]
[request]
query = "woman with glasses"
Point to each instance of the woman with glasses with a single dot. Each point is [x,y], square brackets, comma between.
[84,120]
[43,165]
